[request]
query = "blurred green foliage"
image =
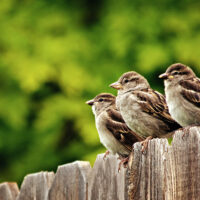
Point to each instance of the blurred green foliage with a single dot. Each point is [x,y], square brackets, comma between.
[55,55]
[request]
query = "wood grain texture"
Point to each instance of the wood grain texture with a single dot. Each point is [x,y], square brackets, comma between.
[167,172]
[8,191]
[164,172]
[106,182]
[36,186]
[71,182]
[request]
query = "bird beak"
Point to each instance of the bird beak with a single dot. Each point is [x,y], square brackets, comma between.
[116,85]
[164,76]
[90,102]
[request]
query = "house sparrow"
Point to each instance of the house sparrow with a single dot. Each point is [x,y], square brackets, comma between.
[182,89]
[113,132]
[144,110]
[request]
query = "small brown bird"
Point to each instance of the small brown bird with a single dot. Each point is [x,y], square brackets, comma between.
[113,132]
[144,110]
[182,89]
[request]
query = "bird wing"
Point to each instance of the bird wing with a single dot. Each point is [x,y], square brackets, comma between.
[116,125]
[191,90]
[154,104]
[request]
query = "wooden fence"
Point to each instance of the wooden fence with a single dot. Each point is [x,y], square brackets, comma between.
[165,172]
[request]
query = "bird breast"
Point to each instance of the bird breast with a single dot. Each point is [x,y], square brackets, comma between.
[180,109]
[106,137]
[137,120]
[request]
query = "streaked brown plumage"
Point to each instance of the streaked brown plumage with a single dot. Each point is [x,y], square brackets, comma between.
[144,110]
[182,89]
[113,132]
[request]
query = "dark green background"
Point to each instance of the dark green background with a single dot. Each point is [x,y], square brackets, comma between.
[56,54]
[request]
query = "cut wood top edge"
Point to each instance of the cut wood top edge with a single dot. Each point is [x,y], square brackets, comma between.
[191,132]
[81,164]
[178,136]
[8,183]
[39,173]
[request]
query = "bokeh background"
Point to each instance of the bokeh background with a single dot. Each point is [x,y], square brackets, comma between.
[56,54]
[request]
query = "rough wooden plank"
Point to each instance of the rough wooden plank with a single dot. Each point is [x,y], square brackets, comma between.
[36,186]
[185,156]
[167,172]
[146,177]
[106,182]
[71,182]
[8,191]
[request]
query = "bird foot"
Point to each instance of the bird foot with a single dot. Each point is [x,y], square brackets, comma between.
[123,162]
[105,155]
[145,143]
[186,130]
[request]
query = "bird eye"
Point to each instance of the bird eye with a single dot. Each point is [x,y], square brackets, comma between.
[175,73]
[100,100]
[126,81]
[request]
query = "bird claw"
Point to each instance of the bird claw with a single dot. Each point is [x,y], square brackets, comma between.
[186,130]
[105,155]
[145,144]
[123,161]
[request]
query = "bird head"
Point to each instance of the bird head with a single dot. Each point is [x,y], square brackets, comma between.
[101,102]
[130,81]
[177,72]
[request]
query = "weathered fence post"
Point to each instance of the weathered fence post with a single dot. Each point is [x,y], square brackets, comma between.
[106,182]
[36,186]
[167,172]
[71,182]
[164,172]
[8,191]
